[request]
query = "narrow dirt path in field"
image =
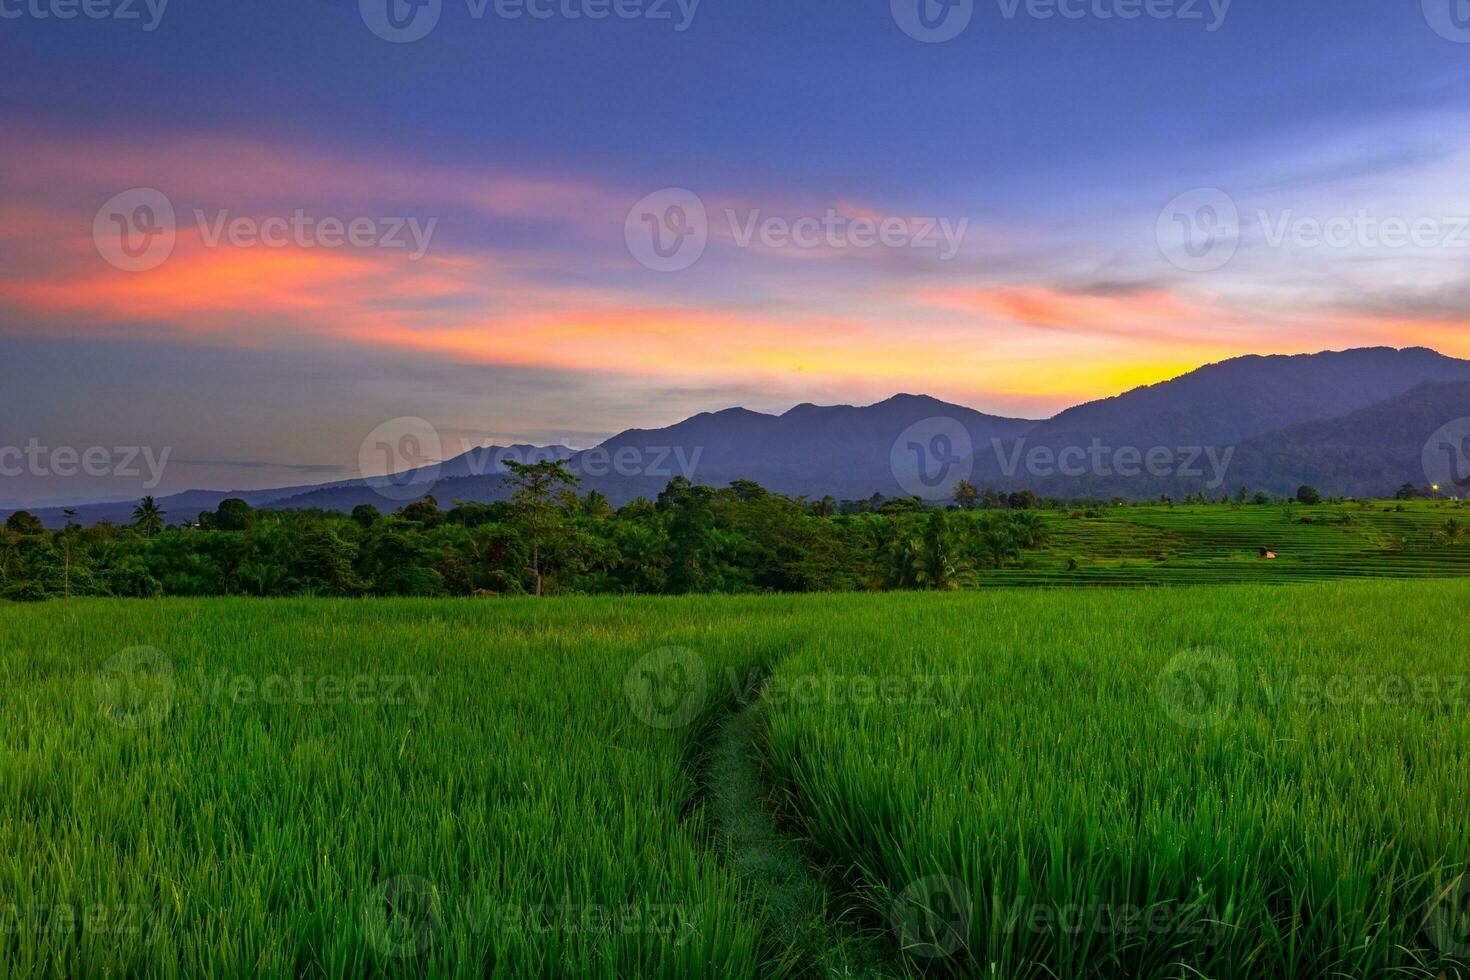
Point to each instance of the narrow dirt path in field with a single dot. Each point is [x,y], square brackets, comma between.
[814,931]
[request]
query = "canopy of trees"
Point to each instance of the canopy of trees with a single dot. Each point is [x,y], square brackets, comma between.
[546,539]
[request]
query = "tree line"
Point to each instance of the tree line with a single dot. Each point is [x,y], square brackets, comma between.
[545,538]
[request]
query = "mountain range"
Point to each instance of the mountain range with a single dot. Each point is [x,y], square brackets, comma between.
[1352,422]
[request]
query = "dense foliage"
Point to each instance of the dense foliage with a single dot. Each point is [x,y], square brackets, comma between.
[692,539]
[547,539]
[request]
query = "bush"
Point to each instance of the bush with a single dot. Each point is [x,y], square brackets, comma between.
[131,579]
[25,592]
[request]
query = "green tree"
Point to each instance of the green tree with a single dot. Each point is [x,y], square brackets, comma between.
[233,514]
[997,542]
[1030,530]
[965,495]
[322,561]
[670,495]
[424,512]
[747,491]
[1307,494]
[937,565]
[691,562]
[396,562]
[148,517]
[595,505]
[637,509]
[24,522]
[365,515]
[1454,532]
[541,493]
[1023,500]
[901,554]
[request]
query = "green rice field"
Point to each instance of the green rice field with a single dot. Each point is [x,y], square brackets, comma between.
[1209,781]
[1188,545]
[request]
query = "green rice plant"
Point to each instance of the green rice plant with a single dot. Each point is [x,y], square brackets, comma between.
[347,789]
[1201,545]
[1235,778]
[1234,782]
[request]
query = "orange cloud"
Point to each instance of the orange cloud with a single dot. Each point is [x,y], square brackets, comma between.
[1145,314]
[215,172]
[589,309]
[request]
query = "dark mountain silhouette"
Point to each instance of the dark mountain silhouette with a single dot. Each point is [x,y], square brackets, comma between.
[1368,452]
[1222,404]
[839,450]
[474,475]
[842,450]
[337,495]
[1349,422]
[1222,407]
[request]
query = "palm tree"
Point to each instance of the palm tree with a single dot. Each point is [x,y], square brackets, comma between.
[148,517]
[1454,532]
[902,554]
[999,544]
[1030,529]
[965,495]
[595,504]
[937,565]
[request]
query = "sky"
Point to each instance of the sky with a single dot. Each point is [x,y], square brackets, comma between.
[251,234]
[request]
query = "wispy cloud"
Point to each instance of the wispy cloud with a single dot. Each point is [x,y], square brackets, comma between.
[1031,318]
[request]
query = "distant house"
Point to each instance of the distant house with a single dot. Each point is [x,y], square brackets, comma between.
[1268,554]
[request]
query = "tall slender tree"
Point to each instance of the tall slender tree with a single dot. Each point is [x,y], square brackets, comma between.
[541,494]
[148,517]
[965,495]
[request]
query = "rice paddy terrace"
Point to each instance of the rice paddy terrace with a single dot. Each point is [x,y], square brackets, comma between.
[1158,545]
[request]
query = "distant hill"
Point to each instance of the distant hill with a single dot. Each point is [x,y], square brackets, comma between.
[842,450]
[1360,454]
[1233,405]
[839,450]
[178,506]
[337,495]
[1225,403]
[1349,422]
[479,468]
